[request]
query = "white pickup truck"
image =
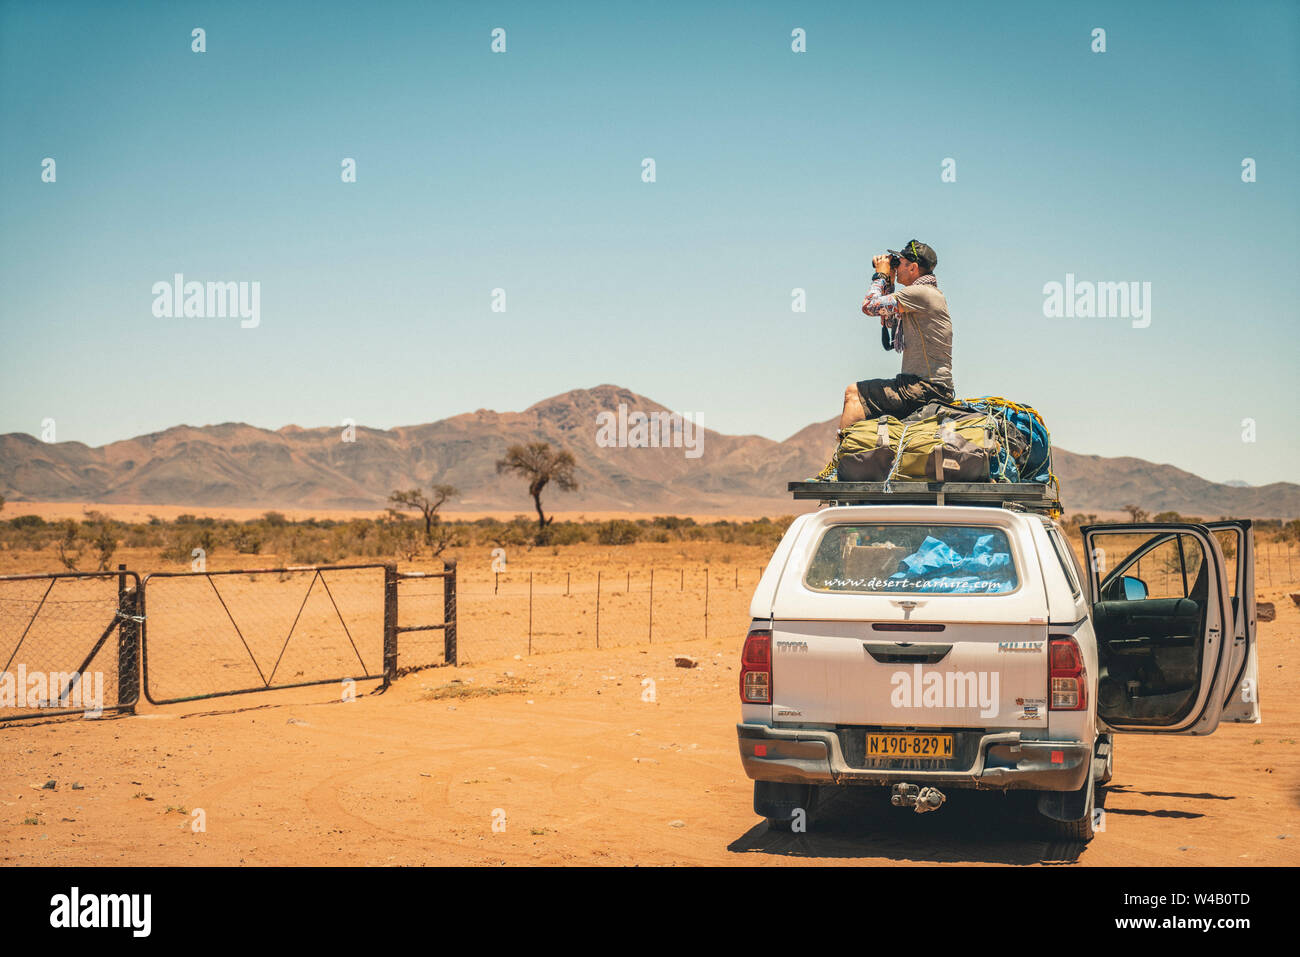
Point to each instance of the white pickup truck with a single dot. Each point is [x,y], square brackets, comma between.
[926,647]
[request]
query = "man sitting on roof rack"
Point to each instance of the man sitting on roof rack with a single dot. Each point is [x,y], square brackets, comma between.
[914,321]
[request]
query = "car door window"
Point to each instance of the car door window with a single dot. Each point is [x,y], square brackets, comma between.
[1149,625]
[1227,541]
[1168,567]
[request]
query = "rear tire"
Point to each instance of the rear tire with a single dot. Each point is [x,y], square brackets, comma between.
[781,804]
[1079,830]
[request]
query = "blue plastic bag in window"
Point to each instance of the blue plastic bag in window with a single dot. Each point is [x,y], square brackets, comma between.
[937,567]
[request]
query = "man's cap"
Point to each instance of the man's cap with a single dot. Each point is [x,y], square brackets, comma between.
[919,252]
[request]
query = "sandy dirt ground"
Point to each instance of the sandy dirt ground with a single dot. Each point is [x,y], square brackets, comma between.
[565,756]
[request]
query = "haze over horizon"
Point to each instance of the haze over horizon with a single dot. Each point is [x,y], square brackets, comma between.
[775,171]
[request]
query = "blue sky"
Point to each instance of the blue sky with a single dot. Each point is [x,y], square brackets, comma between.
[775,170]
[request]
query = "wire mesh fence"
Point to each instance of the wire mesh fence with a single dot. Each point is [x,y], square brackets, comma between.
[545,610]
[219,633]
[68,643]
[181,636]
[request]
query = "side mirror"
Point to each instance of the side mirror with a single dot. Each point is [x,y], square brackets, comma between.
[1135,589]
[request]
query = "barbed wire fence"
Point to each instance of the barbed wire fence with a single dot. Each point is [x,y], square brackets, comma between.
[547,610]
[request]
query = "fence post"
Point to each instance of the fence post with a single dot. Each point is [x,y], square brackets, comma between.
[530,613]
[652,604]
[390,623]
[597,608]
[128,645]
[450,653]
[706,601]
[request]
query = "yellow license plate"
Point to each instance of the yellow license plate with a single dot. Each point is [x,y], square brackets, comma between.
[934,746]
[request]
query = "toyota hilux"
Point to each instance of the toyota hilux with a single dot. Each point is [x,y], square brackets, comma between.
[919,648]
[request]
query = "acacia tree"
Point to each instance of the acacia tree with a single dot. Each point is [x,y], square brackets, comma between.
[427,505]
[540,465]
[1135,514]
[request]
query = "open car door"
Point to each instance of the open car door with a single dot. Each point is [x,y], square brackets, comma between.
[1162,616]
[1236,540]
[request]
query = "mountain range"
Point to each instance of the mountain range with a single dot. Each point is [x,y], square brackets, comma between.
[234,464]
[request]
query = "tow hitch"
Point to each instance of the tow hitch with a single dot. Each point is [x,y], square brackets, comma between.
[920,799]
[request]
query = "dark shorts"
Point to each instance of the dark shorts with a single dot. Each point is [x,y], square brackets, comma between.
[899,396]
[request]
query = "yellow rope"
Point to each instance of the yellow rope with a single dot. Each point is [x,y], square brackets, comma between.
[1030,410]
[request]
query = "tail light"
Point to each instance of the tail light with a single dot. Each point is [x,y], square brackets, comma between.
[756,667]
[1067,679]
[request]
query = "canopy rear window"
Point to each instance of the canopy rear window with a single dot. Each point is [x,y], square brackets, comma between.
[914,560]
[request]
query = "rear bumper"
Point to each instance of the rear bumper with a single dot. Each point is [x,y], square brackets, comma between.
[1003,761]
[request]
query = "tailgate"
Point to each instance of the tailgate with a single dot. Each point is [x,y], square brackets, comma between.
[966,675]
[917,616]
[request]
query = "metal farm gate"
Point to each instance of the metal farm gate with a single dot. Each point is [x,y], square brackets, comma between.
[186,636]
[57,640]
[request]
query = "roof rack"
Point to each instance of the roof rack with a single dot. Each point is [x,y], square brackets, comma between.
[1030,496]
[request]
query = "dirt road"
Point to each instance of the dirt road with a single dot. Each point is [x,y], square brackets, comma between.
[562,753]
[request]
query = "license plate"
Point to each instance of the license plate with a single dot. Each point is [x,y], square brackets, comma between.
[933,746]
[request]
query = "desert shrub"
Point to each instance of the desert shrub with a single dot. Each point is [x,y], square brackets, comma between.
[246,541]
[27,521]
[69,546]
[311,553]
[671,528]
[177,551]
[401,538]
[519,531]
[569,533]
[618,531]
[103,538]
[184,541]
